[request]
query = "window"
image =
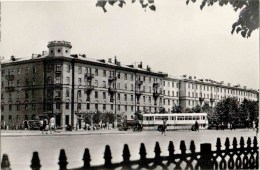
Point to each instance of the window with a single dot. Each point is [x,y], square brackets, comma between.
[26,107]
[79,93]
[125,86]
[104,84]
[80,81]
[67,80]
[27,70]
[125,97]
[2,108]
[104,95]
[132,77]
[118,75]
[49,93]
[26,94]
[104,73]
[34,82]
[96,94]
[49,80]
[67,106]
[118,86]
[118,107]
[104,106]
[2,95]
[96,106]
[118,96]
[67,92]
[26,82]
[49,68]
[79,69]
[19,71]
[79,106]
[10,107]
[58,68]
[88,106]
[177,94]
[57,80]
[144,98]
[33,94]
[68,68]
[112,107]
[18,107]
[96,83]
[34,70]
[96,72]
[125,107]
[125,76]
[33,106]
[132,87]
[132,108]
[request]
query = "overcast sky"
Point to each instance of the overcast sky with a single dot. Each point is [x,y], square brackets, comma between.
[176,39]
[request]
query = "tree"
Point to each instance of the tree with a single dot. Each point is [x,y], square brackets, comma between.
[197,109]
[247,22]
[248,109]
[227,109]
[138,116]
[177,109]
[188,110]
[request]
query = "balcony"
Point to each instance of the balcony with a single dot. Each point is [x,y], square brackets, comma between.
[139,92]
[212,100]
[89,76]
[111,79]
[155,85]
[9,89]
[89,88]
[156,94]
[111,90]
[139,82]
[201,99]
[9,77]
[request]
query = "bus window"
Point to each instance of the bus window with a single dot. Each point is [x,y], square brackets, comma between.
[203,117]
[180,117]
[158,117]
[172,118]
[165,117]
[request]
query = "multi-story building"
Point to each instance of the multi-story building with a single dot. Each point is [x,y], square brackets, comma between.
[195,91]
[68,85]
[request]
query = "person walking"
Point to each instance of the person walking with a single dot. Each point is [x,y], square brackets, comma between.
[164,126]
[196,126]
[52,124]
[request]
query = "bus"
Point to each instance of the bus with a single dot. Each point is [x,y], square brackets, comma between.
[175,121]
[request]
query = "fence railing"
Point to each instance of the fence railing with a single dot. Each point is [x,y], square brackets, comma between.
[245,156]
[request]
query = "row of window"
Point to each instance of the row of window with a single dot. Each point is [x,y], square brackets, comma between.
[18,71]
[219,89]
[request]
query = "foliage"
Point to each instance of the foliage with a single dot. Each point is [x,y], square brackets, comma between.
[121,3]
[107,117]
[162,110]
[248,109]
[177,109]
[247,22]
[97,117]
[227,109]
[138,116]
[248,19]
[188,110]
[196,109]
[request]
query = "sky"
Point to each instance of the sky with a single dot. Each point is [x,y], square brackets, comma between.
[177,39]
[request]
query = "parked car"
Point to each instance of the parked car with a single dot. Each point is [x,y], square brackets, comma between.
[34,124]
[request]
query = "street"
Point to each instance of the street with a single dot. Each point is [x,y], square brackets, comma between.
[20,147]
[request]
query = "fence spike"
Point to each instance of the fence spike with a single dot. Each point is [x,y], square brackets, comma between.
[157,150]
[108,156]
[242,142]
[255,142]
[142,152]
[86,159]
[183,147]
[171,149]
[248,142]
[126,153]
[63,160]
[5,164]
[36,165]
[218,145]
[234,143]
[227,143]
[192,147]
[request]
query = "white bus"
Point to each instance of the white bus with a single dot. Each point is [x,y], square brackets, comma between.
[175,121]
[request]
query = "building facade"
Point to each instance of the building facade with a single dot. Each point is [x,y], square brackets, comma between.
[69,85]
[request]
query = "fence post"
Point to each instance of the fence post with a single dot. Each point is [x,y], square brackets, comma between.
[86,159]
[205,161]
[35,162]
[5,164]
[63,160]
[108,157]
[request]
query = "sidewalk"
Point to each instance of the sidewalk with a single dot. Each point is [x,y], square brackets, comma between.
[16,133]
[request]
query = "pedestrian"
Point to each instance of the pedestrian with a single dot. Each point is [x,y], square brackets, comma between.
[45,126]
[164,126]
[256,126]
[25,123]
[52,124]
[253,126]
[41,124]
[196,126]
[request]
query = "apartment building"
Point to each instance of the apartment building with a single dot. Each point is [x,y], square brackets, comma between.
[195,91]
[68,85]
[57,82]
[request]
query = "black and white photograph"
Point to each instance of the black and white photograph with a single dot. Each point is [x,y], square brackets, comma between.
[129,84]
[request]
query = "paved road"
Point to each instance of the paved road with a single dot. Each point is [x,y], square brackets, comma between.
[20,145]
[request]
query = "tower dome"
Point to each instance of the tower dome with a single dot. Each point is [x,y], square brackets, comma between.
[59,48]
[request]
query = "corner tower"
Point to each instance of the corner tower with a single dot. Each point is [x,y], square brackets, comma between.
[59,48]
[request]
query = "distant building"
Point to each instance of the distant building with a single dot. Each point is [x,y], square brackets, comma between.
[68,85]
